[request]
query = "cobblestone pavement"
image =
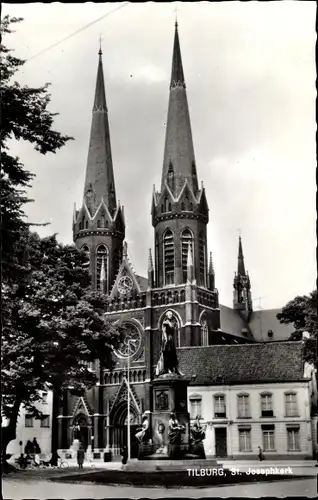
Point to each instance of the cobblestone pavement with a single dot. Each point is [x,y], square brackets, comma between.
[18,489]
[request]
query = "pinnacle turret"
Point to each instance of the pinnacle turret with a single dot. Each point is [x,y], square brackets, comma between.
[240,261]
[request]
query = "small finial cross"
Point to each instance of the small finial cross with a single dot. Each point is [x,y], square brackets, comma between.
[100,45]
[176,13]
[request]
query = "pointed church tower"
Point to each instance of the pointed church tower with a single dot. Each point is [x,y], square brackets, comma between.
[180,211]
[99,226]
[242,301]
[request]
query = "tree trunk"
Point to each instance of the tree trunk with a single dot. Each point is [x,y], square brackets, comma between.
[8,434]
[55,413]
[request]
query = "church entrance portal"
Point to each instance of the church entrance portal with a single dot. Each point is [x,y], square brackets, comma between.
[80,430]
[119,434]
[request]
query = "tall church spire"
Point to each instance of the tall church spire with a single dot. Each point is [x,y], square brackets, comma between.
[240,261]
[99,224]
[242,300]
[99,181]
[179,160]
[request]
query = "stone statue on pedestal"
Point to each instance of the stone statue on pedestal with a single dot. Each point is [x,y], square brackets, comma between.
[143,434]
[175,436]
[168,361]
[197,435]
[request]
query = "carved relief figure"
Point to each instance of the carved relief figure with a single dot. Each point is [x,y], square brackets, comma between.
[168,361]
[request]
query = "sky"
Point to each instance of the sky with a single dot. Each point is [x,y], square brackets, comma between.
[250,74]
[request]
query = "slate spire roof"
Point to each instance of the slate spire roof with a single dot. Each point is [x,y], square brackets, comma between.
[179,159]
[99,180]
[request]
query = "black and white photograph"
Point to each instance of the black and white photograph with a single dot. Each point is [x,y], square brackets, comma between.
[158,250]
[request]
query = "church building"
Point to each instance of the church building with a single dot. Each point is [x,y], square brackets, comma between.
[247,383]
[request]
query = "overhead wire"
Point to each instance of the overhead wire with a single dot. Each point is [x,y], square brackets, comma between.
[77,31]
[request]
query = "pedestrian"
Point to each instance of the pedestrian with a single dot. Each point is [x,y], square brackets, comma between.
[36,447]
[260,454]
[28,447]
[124,454]
[80,456]
[22,461]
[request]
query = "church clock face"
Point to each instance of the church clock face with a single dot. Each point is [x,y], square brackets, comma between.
[131,342]
[125,285]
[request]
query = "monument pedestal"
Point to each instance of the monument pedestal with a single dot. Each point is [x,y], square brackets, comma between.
[169,395]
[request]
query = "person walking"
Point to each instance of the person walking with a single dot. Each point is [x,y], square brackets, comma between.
[80,456]
[124,454]
[260,454]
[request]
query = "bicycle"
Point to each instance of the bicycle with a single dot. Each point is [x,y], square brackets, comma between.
[91,462]
[62,464]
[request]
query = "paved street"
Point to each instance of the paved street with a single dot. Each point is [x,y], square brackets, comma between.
[17,490]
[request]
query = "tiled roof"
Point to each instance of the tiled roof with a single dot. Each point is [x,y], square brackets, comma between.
[242,363]
[262,321]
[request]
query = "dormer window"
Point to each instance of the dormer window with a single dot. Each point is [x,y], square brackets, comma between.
[270,333]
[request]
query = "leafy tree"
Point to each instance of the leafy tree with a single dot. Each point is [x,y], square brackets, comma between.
[302,312]
[52,322]
[25,116]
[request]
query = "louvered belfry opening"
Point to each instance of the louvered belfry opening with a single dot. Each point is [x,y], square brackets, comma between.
[168,248]
[102,259]
[202,257]
[186,239]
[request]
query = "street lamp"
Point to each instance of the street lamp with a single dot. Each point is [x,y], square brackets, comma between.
[128,399]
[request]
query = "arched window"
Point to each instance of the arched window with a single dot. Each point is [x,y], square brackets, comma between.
[102,265]
[85,249]
[168,256]
[102,221]
[182,207]
[83,223]
[186,239]
[86,224]
[157,260]
[204,333]
[202,257]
